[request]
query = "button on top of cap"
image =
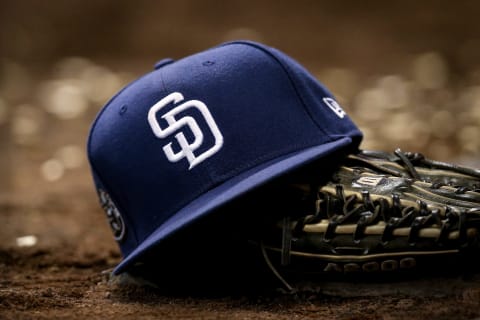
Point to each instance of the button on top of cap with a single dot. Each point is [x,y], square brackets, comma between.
[163,62]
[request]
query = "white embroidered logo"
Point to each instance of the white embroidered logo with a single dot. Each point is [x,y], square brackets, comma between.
[175,125]
[332,104]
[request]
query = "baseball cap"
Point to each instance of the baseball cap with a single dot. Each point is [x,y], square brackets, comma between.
[199,132]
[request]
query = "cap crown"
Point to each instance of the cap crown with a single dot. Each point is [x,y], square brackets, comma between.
[193,125]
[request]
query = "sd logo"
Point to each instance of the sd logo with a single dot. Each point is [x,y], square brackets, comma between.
[177,124]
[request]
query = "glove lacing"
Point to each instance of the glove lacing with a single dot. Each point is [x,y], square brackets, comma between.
[341,209]
[410,159]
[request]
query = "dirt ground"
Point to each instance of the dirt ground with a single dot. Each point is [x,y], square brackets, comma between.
[67,276]
[408,75]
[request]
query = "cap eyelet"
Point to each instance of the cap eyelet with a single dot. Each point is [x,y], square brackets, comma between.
[123,109]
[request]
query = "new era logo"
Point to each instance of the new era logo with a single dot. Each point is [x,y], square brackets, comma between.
[178,124]
[335,107]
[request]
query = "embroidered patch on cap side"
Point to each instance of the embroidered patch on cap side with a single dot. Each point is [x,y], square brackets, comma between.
[113,215]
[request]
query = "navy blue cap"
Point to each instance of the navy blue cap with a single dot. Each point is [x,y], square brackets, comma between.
[199,132]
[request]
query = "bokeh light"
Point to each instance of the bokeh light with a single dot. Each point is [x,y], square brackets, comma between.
[419,91]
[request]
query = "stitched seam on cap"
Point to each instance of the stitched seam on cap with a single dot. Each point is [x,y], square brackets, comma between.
[288,73]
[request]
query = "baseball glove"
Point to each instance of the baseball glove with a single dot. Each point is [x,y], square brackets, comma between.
[377,213]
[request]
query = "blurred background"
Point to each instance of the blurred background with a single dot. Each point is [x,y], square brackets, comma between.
[407,72]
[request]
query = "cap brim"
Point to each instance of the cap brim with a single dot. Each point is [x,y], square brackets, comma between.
[228,191]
